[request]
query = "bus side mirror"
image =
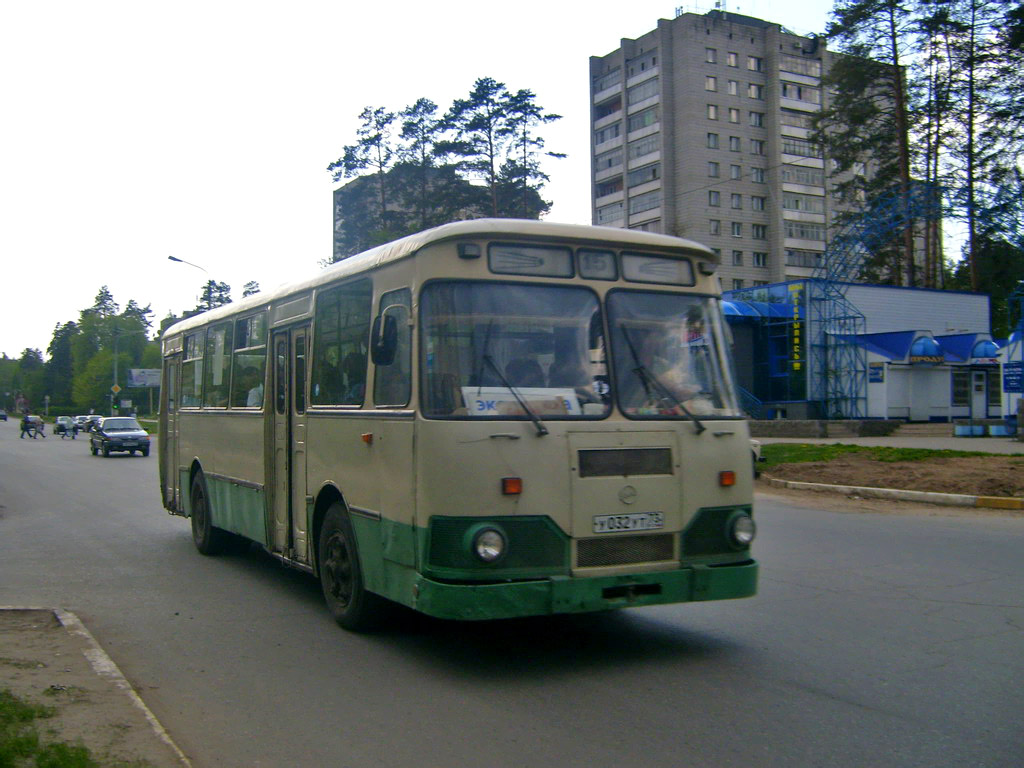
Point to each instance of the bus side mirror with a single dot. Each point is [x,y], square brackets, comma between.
[384,337]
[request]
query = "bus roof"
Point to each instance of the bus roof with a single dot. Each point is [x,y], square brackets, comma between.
[406,246]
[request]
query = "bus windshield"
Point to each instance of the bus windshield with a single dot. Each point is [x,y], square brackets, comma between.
[668,353]
[492,348]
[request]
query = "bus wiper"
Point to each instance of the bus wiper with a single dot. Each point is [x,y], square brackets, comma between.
[537,423]
[650,381]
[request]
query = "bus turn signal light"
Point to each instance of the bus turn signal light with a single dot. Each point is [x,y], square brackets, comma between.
[511,486]
[727,477]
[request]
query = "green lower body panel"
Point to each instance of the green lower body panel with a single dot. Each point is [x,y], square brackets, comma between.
[565,594]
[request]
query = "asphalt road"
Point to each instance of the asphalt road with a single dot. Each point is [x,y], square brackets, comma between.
[876,640]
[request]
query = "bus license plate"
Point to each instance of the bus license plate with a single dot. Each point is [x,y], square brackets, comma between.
[636,521]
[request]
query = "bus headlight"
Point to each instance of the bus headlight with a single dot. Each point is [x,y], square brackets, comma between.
[742,530]
[489,544]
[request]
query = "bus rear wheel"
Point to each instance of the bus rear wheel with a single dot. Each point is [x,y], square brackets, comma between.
[341,576]
[208,539]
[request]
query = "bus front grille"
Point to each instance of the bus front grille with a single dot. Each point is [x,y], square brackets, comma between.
[623,550]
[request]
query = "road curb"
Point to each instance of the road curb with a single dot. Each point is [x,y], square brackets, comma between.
[928,497]
[105,668]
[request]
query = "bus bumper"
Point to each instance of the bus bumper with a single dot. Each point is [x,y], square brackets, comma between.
[565,594]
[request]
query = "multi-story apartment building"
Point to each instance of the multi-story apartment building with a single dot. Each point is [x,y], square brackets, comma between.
[700,129]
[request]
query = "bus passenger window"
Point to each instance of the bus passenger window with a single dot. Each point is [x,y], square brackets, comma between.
[281,374]
[340,338]
[392,384]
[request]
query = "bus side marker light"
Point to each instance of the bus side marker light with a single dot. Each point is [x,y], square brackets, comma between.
[511,486]
[726,478]
[367,437]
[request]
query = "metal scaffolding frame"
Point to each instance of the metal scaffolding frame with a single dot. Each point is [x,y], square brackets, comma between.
[839,377]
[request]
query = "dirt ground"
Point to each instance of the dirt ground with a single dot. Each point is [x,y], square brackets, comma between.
[45,663]
[991,475]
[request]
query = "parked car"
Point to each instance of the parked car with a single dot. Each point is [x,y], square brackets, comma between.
[3,415]
[64,426]
[118,434]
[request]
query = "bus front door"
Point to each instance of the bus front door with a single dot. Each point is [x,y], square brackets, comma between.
[290,535]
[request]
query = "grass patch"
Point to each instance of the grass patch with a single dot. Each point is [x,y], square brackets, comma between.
[22,747]
[792,453]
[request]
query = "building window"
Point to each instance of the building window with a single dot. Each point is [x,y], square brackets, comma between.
[734,115]
[712,112]
[737,284]
[713,170]
[800,92]
[654,225]
[799,147]
[737,229]
[757,119]
[755,91]
[757,202]
[714,198]
[608,160]
[643,62]
[799,175]
[756,147]
[710,83]
[961,387]
[760,259]
[795,119]
[799,65]
[608,133]
[609,213]
[646,202]
[757,175]
[760,231]
[712,141]
[799,258]
[643,175]
[609,107]
[609,187]
[735,172]
[737,258]
[732,59]
[710,56]
[804,231]
[644,146]
[645,90]
[755,64]
[791,201]
[736,201]
[759,283]
[714,227]
[642,119]
[734,143]
[734,88]
[608,79]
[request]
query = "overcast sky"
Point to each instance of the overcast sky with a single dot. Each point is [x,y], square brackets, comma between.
[136,130]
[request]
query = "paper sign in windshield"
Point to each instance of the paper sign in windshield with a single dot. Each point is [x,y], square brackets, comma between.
[499,401]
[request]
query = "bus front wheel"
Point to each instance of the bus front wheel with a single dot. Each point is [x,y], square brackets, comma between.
[208,539]
[341,577]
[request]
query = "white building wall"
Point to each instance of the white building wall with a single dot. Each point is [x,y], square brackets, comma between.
[888,309]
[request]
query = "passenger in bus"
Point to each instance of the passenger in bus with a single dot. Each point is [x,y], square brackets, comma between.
[525,372]
[353,368]
[255,396]
[659,375]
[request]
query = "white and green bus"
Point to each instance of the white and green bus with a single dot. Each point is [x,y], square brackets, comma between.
[492,418]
